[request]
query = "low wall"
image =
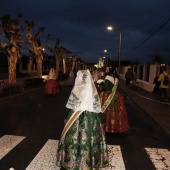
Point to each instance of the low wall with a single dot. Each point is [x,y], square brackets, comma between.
[145,85]
[141,83]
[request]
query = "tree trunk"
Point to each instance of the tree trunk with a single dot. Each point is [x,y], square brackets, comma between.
[30,64]
[12,69]
[64,65]
[57,65]
[39,66]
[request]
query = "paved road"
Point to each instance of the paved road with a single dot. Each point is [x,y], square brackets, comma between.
[31,125]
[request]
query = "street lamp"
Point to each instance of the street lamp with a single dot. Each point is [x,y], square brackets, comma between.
[109,56]
[103,60]
[110,28]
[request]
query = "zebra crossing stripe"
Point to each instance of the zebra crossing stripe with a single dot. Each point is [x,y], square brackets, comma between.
[7,143]
[46,158]
[115,158]
[159,157]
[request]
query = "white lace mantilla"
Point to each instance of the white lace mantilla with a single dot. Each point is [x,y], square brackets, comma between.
[52,74]
[84,95]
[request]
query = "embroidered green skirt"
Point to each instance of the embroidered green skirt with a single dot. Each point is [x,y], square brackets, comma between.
[84,146]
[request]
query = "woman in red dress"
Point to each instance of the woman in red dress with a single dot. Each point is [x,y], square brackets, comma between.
[51,86]
[113,106]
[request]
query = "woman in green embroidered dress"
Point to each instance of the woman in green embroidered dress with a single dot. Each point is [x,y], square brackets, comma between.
[82,145]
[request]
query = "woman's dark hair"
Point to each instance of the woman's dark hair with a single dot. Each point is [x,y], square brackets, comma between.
[164,68]
[115,75]
[112,72]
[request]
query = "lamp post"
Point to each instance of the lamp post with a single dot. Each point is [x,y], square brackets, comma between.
[110,55]
[103,60]
[110,28]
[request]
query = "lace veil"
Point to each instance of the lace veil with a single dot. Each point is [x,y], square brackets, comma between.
[52,74]
[84,95]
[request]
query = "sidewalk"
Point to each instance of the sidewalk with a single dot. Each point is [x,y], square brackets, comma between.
[149,102]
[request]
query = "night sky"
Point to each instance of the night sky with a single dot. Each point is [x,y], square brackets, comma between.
[81,26]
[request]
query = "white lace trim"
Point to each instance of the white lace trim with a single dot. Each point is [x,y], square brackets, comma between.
[52,74]
[84,95]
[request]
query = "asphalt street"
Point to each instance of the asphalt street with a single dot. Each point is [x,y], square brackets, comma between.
[36,120]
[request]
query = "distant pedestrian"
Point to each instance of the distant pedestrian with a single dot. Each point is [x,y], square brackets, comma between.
[134,78]
[157,84]
[128,76]
[51,86]
[164,79]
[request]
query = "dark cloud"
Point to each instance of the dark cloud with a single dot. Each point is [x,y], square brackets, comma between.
[81,25]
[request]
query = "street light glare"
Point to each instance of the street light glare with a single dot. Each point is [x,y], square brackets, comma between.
[105,51]
[109,27]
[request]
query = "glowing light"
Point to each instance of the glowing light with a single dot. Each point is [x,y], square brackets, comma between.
[109,27]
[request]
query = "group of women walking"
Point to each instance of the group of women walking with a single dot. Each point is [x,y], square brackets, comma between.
[94,107]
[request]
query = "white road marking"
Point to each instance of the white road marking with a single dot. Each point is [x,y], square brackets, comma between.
[145,97]
[46,158]
[115,158]
[7,143]
[159,157]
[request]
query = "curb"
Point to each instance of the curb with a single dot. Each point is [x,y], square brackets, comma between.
[167,133]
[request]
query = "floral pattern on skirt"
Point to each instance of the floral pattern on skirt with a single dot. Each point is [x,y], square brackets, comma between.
[84,146]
